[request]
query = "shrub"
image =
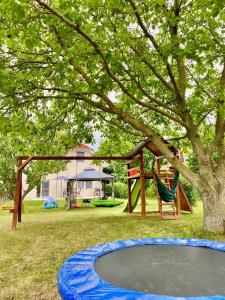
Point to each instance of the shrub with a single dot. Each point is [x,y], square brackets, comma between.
[151,190]
[108,189]
[120,190]
[190,191]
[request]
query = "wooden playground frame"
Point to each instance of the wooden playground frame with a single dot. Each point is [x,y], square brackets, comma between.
[134,156]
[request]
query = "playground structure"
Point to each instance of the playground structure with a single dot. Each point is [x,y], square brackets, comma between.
[134,173]
[173,208]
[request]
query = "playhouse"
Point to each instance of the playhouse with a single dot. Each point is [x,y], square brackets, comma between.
[165,179]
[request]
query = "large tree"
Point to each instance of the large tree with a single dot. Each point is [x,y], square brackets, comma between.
[140,65]
[26,137]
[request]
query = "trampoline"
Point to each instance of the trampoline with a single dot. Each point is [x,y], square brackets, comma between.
[151,268]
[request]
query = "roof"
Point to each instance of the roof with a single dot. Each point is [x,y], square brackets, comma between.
[151,147]
[90,174]
[82,146]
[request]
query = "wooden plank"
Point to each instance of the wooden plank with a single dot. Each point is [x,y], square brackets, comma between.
[135,168]
[148,175]
[134,176]
[168,217]
[17,195]
[177,203]
[7,207]
[133,160]
[75,157]
[11,208]
[158,197]
[130,210]
[20,191]
[167,203]
[165,176]
[23,165]
[142,178]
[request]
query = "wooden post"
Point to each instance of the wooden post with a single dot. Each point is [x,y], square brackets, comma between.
[113,190]
[129,191]
[20,195]
[178,212]
[17,195]
[142,178]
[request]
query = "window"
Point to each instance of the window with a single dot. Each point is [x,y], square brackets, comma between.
[79,153]
[88,184]
[45,189]
[81,184]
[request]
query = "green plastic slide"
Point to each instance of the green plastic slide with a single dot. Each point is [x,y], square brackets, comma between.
[135,193]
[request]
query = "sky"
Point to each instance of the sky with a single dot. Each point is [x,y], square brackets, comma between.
[97,136]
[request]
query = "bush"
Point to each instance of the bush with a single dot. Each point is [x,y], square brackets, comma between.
[106,203]
[120,190]
[151,190]
[190,191]
[108,189]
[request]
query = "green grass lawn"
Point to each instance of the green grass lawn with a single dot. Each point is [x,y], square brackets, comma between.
[31,256]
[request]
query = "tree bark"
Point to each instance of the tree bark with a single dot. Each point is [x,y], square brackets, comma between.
[214,208]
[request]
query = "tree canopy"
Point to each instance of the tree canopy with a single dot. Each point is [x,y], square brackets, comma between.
[31,141]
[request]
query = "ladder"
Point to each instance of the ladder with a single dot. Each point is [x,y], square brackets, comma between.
[169,213]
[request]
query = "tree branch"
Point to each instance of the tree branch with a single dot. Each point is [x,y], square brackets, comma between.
[198,83]
[156,46]
[140,87]
[120,126]
[153,69]
[177,138]
[104,63]
[127,117]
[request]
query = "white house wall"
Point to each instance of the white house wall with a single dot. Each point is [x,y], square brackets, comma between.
[57,187]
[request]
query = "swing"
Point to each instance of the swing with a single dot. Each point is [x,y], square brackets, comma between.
[166,194]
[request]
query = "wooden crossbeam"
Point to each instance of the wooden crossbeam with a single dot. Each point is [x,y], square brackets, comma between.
[135,168]
[24,164]
[133,160]
[133,176]
[75,157]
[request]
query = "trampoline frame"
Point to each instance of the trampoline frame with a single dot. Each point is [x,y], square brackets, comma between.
[77,278]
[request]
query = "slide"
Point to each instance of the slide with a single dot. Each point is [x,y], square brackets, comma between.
[184,202]
[135,193]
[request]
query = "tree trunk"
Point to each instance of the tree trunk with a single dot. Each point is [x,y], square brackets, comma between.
[70,194]
[26,192]
[214,209]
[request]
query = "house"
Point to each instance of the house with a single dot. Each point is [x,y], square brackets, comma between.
[55,184]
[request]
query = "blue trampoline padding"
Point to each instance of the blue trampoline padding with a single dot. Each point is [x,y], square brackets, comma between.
[78,280]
